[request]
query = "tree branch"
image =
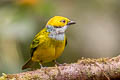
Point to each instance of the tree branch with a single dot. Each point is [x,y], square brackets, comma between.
[84,69]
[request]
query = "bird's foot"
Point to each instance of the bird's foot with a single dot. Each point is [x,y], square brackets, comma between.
[58,64]
[41,66]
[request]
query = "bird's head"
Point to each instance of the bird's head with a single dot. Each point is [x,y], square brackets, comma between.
[59,21]
[58,24]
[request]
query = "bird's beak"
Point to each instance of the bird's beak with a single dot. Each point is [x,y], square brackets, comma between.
[71,22]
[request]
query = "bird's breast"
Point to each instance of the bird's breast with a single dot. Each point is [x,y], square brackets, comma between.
[59,47]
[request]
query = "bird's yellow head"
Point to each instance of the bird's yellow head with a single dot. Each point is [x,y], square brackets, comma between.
[57,26]
[59,21]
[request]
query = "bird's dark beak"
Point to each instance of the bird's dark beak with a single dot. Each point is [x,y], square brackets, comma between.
[71,22]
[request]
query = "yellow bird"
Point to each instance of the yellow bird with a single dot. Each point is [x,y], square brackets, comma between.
[50,42]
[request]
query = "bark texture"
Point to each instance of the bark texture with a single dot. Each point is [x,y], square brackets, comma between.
[84,69]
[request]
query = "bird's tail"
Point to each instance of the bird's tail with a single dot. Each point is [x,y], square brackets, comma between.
[28,64]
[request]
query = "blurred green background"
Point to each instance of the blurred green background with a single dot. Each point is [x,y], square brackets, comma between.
[95,35]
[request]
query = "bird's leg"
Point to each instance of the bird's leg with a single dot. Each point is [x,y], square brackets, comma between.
[58,64]
[41,66]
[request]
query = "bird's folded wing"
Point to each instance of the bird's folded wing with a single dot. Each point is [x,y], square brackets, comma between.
[37,41]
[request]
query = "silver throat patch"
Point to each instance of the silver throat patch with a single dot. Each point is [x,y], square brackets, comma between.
[57,36]
[57,33]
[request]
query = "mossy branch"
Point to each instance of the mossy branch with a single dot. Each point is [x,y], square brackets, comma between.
[84,69]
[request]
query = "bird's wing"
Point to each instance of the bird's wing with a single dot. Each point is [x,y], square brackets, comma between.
[38,40]
[65,41]
[34,46]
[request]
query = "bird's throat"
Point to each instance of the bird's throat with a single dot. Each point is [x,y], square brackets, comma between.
[56,33]
[59,36]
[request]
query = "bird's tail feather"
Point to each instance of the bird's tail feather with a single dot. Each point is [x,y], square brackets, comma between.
[28,64]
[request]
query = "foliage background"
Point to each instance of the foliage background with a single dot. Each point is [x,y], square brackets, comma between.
[95,35]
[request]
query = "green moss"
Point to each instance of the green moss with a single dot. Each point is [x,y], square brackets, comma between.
[89,74]
[89,60]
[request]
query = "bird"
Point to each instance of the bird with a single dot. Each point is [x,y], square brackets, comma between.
[50,42]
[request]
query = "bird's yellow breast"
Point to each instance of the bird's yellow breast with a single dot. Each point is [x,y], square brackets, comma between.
[49,50]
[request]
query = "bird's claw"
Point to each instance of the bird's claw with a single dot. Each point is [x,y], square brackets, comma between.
[58,64]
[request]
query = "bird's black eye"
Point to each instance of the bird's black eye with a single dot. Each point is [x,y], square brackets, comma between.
[62,21]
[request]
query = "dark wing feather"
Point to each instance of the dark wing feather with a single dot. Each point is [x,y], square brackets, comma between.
[34,46]
[66,42]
